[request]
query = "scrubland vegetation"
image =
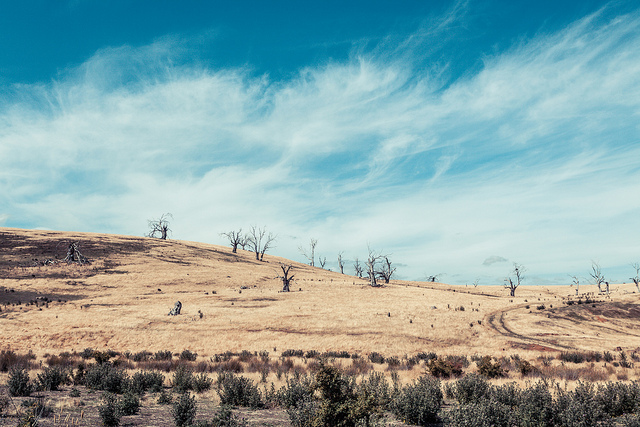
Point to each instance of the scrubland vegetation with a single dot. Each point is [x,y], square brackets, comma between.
[308,388]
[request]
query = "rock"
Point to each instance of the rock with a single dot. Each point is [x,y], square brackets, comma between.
[176,309]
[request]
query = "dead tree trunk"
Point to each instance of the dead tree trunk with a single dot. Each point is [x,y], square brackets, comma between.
[387,270]
[286,279]
[74,254]
[341,263]
[176,309]
[357,267]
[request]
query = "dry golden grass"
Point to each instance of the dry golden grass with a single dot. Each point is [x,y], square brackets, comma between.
[121,300]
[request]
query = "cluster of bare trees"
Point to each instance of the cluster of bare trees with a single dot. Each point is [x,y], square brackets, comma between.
[256,240]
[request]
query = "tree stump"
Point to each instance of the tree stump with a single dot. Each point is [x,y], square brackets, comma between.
[176,309]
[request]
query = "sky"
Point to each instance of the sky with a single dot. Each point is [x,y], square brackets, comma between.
[457,138]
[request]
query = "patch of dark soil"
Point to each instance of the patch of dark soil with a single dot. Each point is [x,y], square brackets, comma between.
[12,296]
[19,250]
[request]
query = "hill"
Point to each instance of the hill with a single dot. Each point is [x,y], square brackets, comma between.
[232,302]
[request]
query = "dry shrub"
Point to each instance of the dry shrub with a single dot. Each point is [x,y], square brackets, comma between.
[589,373]
[358,366]
[64,360]
[233,365]
[10,359]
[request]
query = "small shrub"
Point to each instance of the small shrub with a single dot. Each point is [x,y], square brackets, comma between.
[184,410]
[107,377]
[201,383]
[419,403]
[130,404]
[182,379]
[110,411]
[51,379]
[440,368]
[485,413]
[224,417]
[292,353]
[377,358]
[489,369]
[238,391]
[608,357]
[142,382]
[572,356]
[74,392]
[163,355]
[188,355]
[165,398]
[470,388]
[19,383]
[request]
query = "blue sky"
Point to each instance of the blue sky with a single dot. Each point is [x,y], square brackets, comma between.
[457,137]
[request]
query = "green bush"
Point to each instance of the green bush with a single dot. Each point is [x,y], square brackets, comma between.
[182,379]
[188,355]
[165,398]
[110,410]
[579,408]
[184,410]
[470,389]
[142,382]
[163,355]
[224,417]
[19,383]
[106,377]
[537,407]
[201,383]
[130,404]
[484,413]
[376,357]
[376,387]
[419,403]
[297,389]
[618,398]
[51,378]
[235,390]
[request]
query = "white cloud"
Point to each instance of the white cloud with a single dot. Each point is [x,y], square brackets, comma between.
[535,157]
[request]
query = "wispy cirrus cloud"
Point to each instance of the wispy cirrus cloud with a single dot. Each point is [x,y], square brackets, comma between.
[534,157]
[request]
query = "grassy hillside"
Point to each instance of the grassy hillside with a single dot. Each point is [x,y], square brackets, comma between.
[232,302]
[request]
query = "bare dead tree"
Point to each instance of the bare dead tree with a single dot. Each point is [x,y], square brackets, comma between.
[597,276]
[236,238]
[160,227]
[286,279]
[357,267]
[341,263]
[387,270]
[259,241]
[636,280]
[322,261]
[433,278]
[74,254]
[372,263]
[576,282]
[310,254]
[476,283]
[512,284]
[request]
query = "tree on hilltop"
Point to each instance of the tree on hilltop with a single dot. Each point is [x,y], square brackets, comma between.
[259,241]
[160,227]
[236,238]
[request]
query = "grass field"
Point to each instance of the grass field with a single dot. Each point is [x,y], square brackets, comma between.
[231,302]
